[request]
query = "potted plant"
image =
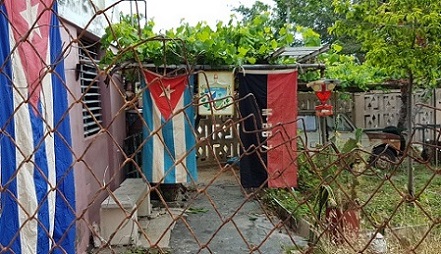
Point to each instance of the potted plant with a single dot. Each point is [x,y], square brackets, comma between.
[336,202]
[343,218]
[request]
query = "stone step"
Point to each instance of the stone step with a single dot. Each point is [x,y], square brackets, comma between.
[156,229]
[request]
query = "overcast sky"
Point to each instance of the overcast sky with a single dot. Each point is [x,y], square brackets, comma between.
[168,13]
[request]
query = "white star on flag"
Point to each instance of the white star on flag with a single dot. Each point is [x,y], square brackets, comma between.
[30,16]
[167,92]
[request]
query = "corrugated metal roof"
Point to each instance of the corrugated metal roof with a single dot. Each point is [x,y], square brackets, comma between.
[301,54]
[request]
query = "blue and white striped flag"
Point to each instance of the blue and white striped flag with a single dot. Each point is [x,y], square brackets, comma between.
[37,183]
[169,154]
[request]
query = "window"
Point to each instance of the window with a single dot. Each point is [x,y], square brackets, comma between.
[307,123]
[90,89]
[339,123]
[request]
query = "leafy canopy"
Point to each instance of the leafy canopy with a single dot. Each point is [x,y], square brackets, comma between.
[312,20]
[249,41]
[349,71]
[316,14]
[401,37]
[237,43]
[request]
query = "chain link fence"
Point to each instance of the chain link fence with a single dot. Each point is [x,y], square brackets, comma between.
[74,177]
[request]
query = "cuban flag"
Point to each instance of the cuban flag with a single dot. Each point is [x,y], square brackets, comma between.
[268,105]
[169,153]
[37,184]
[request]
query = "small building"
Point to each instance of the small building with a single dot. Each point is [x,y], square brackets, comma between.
[97,124]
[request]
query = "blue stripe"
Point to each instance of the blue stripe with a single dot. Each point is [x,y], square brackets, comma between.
[65,219]
[169,151]
[147,151]
[40,178]
[190,139]
[9,224]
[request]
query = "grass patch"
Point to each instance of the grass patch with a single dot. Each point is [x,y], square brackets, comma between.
[408,223]
[385,198]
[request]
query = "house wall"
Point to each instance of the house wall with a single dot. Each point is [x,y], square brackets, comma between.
[97,158]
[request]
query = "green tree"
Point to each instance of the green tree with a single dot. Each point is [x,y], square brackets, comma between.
[399,37]
[310,16]
[346,68]
[402,38]
[248,13]
[316,14]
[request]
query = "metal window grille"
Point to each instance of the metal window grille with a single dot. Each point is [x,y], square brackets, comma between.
[90,89]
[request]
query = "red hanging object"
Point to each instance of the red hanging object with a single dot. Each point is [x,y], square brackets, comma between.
[323,95]
[324,110]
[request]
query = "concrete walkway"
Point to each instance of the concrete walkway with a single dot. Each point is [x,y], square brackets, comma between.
[215,217]
[221,219]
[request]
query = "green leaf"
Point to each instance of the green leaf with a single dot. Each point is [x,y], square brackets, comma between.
[337,48]
[242,51]
[194,210]
[251,60]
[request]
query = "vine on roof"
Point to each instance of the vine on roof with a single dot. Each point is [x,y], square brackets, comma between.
[235,43]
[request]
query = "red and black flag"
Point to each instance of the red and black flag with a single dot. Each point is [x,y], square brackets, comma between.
[268,105]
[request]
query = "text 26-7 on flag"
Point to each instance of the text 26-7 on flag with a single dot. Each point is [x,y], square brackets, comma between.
[268,104]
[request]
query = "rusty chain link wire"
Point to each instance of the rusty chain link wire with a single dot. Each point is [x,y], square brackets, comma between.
[343,202]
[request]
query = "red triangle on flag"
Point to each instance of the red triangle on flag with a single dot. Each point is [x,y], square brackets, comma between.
[165,91]
[33,18]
